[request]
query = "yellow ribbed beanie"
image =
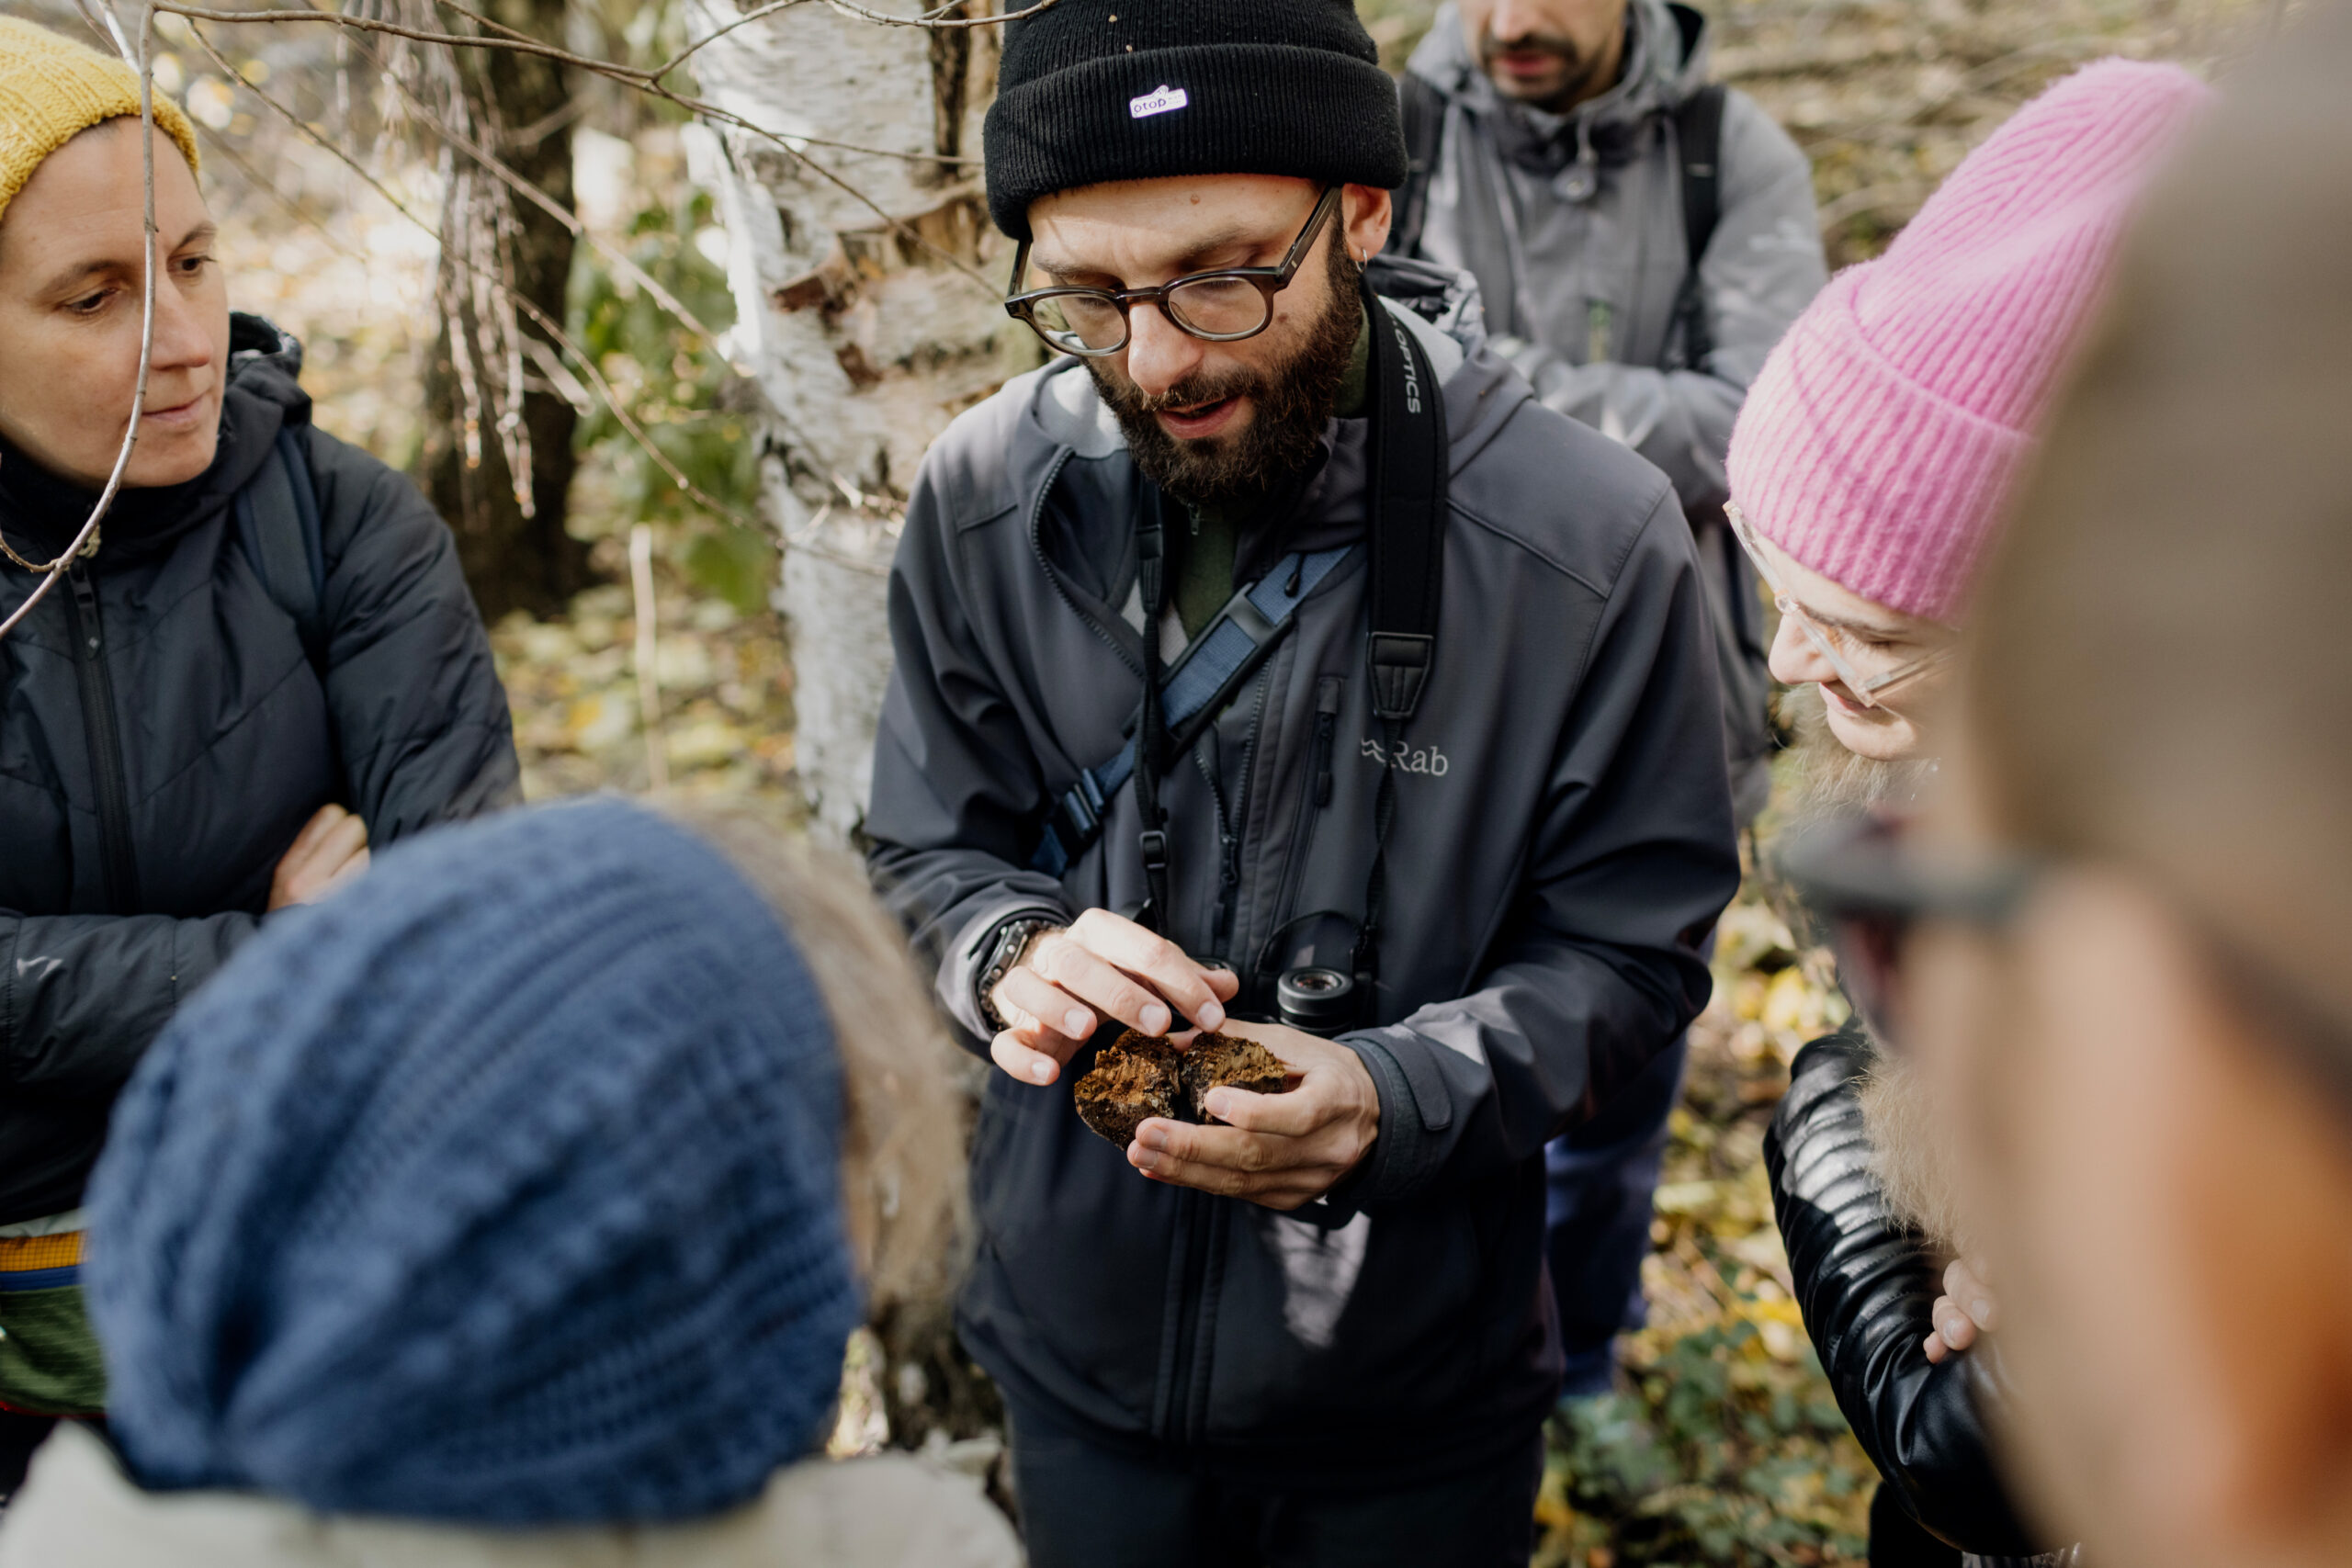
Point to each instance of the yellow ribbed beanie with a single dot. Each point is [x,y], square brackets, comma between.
[52,89]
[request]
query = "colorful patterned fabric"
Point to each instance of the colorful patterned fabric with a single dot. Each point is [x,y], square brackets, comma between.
[41,1262]
[49,1359]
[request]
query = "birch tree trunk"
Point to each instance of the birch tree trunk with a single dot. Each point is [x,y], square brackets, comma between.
[864,342]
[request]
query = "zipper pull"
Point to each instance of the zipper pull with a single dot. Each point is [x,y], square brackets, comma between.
[86,599]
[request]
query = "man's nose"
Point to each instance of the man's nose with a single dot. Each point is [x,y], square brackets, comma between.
[1795,661]
[1158,356]
[1515,19]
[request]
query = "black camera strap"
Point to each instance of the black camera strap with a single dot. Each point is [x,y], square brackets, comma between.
[1410,461]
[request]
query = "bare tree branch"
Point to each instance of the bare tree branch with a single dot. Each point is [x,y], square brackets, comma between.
[554,332]
[627,75]
[529,192]
[936,21]
[793,146]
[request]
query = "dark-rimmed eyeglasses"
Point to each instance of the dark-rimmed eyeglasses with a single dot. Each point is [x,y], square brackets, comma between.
[1869,891]
[1223,306]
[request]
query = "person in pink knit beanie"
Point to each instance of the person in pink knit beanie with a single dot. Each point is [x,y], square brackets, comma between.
[1872,460]
[1869,472]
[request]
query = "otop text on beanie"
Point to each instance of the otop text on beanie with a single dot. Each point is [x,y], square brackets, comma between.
[1093,91]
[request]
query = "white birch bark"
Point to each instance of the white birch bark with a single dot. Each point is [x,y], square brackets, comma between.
[862,344]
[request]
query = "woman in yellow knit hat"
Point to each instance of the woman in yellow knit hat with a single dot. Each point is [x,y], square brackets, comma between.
[264,658]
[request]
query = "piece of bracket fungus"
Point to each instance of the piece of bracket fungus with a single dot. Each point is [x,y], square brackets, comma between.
[1135,1077]
[1224,1060]
[1138,1076]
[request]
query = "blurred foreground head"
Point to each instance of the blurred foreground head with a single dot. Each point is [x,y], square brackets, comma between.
[2153,1037]
[525,1182]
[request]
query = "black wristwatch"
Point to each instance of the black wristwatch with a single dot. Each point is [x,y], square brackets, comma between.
[1012,939]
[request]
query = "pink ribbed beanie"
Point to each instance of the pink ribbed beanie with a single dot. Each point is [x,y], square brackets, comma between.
[1881,438]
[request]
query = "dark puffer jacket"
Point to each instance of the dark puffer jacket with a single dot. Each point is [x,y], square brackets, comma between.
[164,736]
[1867,1284]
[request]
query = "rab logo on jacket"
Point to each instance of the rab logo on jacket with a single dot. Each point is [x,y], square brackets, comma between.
[1429,759]
[1161,99]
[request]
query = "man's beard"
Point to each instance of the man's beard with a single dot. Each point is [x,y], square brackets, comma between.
[1581,68]
[1290,404]
[1832,781]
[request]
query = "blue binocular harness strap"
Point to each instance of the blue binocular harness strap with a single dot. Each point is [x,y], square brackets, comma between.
[1226,653]
[1409,461]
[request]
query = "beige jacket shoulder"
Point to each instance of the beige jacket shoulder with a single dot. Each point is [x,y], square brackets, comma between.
[77,1508]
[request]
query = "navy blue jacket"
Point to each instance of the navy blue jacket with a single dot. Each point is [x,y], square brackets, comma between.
[164,736]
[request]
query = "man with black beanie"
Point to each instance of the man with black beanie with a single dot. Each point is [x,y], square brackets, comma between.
[1274,655]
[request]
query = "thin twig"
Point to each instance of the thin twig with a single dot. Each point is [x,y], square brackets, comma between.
[936,21]
[649,656]
[138,61]
[794,146]
[541,198]
[218,144]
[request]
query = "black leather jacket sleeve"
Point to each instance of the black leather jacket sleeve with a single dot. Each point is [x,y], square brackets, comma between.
[1867,1284]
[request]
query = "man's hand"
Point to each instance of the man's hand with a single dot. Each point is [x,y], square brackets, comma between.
[330,850]
[1966,1310]
[1280,1150]
[1102,966]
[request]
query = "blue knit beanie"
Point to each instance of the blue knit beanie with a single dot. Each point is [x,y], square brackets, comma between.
[502,1187]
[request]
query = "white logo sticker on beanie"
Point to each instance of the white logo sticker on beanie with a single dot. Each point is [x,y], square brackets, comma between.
[1160,100]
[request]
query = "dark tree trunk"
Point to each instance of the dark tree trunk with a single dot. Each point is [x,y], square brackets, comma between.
[514,557]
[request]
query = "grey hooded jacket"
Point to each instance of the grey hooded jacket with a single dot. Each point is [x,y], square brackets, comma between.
[1572,226]
[1562,840]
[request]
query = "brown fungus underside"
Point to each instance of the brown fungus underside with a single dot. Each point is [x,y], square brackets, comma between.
[1138,1076]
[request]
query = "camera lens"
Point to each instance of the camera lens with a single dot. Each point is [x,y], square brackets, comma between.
[1318,1000]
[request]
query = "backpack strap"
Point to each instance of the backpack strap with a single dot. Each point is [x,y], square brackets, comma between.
[277,523]
[1699,138]
[1424,112]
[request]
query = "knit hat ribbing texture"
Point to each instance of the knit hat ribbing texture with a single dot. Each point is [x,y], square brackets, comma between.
[501,1186]
[1093,91]
[1880,442]
[52,89]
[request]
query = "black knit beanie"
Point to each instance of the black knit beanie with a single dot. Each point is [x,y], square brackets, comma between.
[1096,90]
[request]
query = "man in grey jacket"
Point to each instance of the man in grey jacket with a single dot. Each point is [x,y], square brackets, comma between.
[1560,163]
[1315,1327]
[1556,180]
